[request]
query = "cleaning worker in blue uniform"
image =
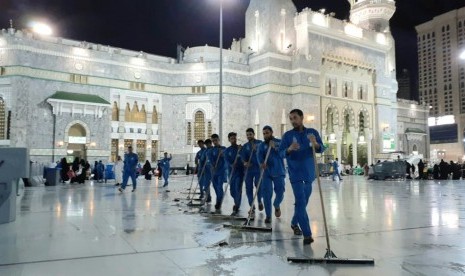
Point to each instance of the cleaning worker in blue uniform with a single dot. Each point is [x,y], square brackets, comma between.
[274,174]
[252,168]
[165,163]
[236,171]
[296,147]
[129,170]
[199,164]
[218,163]
[207,173]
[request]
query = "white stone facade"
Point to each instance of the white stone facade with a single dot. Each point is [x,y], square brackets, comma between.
[335,71]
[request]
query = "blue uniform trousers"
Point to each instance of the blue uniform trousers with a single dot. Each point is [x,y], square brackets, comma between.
[236,188]
[302,191]
[269,184]
[217,181]
[126,175]
[250,179]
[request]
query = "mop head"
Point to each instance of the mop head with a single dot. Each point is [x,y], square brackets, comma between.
[223,217]
[331,261]
[248,228]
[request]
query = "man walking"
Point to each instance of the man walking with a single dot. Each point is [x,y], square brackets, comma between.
[336,169]
[296,147]
[252,168]
[216,157]
[199,165]
[274,173]
[236,170]
[130,166]
[207,172]
[165,163]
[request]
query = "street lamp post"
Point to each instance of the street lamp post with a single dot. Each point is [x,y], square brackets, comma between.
[221,71]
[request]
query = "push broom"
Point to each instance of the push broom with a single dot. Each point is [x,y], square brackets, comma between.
[246,225]
[195,189]
[330,257]
[214,215]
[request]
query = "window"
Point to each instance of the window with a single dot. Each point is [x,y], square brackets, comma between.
[78,78]
[210,129]
[137,86]
[2,119]
[114,149]
[199,126]
[154,150]
[189,133]
[141,148]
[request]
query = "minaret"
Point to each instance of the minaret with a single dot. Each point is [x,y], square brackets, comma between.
[270,26]
[372,14]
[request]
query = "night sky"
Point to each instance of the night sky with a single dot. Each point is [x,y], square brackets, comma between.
[156,26]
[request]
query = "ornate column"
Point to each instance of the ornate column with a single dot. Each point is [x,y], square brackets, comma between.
[369,138]
[339,144]
[354,134]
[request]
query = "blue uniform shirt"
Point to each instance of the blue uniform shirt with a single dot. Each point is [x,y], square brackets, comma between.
[335,166]
[130,162]
[275,162]
[212,154]
[198,158]
[245,155]
[300,163]
[165,164]
[230,155]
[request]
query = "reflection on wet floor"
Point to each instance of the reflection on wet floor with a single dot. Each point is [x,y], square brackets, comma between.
[407,227]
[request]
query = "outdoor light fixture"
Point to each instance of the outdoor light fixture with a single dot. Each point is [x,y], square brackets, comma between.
[332,138]
[41,28]
[462,55]
[361,140]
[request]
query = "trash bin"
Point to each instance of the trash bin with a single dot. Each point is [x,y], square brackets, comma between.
[52,176]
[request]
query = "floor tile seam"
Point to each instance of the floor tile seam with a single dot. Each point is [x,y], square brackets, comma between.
[173,262]
[96,256]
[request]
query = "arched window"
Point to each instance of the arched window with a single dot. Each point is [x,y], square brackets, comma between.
[361,121]
[115,112]
[330,120]
[415,148]
[135,112]
[199,126]
[2,119]
[346,90]
[141,116]
[155,115]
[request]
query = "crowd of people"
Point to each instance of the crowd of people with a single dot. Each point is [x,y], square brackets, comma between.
[80,170]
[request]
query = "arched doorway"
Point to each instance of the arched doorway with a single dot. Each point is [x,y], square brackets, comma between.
[77,140]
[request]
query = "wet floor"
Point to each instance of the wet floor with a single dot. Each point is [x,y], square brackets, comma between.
[409,228]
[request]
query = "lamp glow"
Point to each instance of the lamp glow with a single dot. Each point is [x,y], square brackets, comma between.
[41,28]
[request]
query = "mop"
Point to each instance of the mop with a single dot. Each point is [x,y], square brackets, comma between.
[246,225]
[190,204]
[330,257]
[189,194]
[214,215]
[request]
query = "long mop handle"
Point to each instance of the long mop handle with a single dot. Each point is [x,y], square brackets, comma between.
[198,182]
[262,172]
[232,172]
[248,162]
[317,172]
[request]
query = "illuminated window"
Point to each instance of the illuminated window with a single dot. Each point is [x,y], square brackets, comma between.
[2,119]
[199,126]
[189,133]
[115,112]
[210,129]
[154,150]
[114,149]
[141,148]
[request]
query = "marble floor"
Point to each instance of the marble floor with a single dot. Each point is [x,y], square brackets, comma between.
[409,228]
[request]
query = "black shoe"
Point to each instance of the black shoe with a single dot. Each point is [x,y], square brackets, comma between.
[217,206]
[260,206]
[234,213]
[117,184]
[268,220]
[308,240]
[297,230]
[277,212]
[166,184]
[121,190]
[133,190]
[201,196]
[209,199]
